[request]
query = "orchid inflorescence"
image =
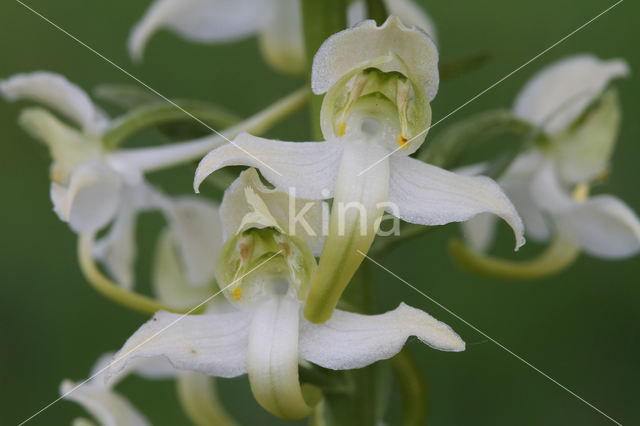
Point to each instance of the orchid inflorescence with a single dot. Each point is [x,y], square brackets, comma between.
[253,283]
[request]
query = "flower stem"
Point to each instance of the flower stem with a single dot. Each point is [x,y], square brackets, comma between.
[320,20]
[161,113]
[558,256]
[156,158]
[113,291]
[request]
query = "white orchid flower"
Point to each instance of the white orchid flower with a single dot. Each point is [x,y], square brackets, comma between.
[549,184]
[265,274]
[379,81]
[92,186]
[278,24]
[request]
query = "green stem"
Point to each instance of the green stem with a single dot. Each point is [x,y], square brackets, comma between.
[161,157]
[558,256]
[412,387]
[115,292]
[321,18]
[161,113]
[377,11]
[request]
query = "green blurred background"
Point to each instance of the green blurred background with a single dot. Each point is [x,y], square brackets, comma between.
[580,327]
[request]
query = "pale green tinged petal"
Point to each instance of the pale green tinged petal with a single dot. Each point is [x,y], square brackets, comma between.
[68,147]
[556,96]
[92,198]
[297,217]
[273,359]
[213,344]
[59,94]
[407,10]
[345,51]
[582,153]
[199,398]
[203,21]
[117,249]
[602,226]
[170,285]
[358,204]
[197,230]
[309,167]
[428,195]
[105,405]
[281,40]
[547,192]
[350,340]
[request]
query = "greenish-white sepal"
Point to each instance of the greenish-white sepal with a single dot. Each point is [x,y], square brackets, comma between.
[309,167]
[260,216]
[59,94]
[197,232]
[556,96]
[202,21]
[345,51]
[273,358]
[91,199]
[170,284]
[281,40]
[212,343]
[583,152]
[349,340]
[428,195]
[68,147]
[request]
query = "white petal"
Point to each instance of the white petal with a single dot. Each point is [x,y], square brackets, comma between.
[273,359]
[92,198]
[213,344]
[428,195]
[348,49]
[547,192]
[204,21]
[197,230]
[281,40]
[309,223]
[170,284]
[117,249]
[105,405]
[602,226]
[357,206]
[558,94]
[309,167]
[407,10]
[351,340]
[58,93]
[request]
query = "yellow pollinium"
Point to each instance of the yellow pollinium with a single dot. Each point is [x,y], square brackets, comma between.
[581,192]
[237,293]
[402,141]
[343,128]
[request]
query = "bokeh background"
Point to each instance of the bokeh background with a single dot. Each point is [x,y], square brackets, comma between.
[580,327]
